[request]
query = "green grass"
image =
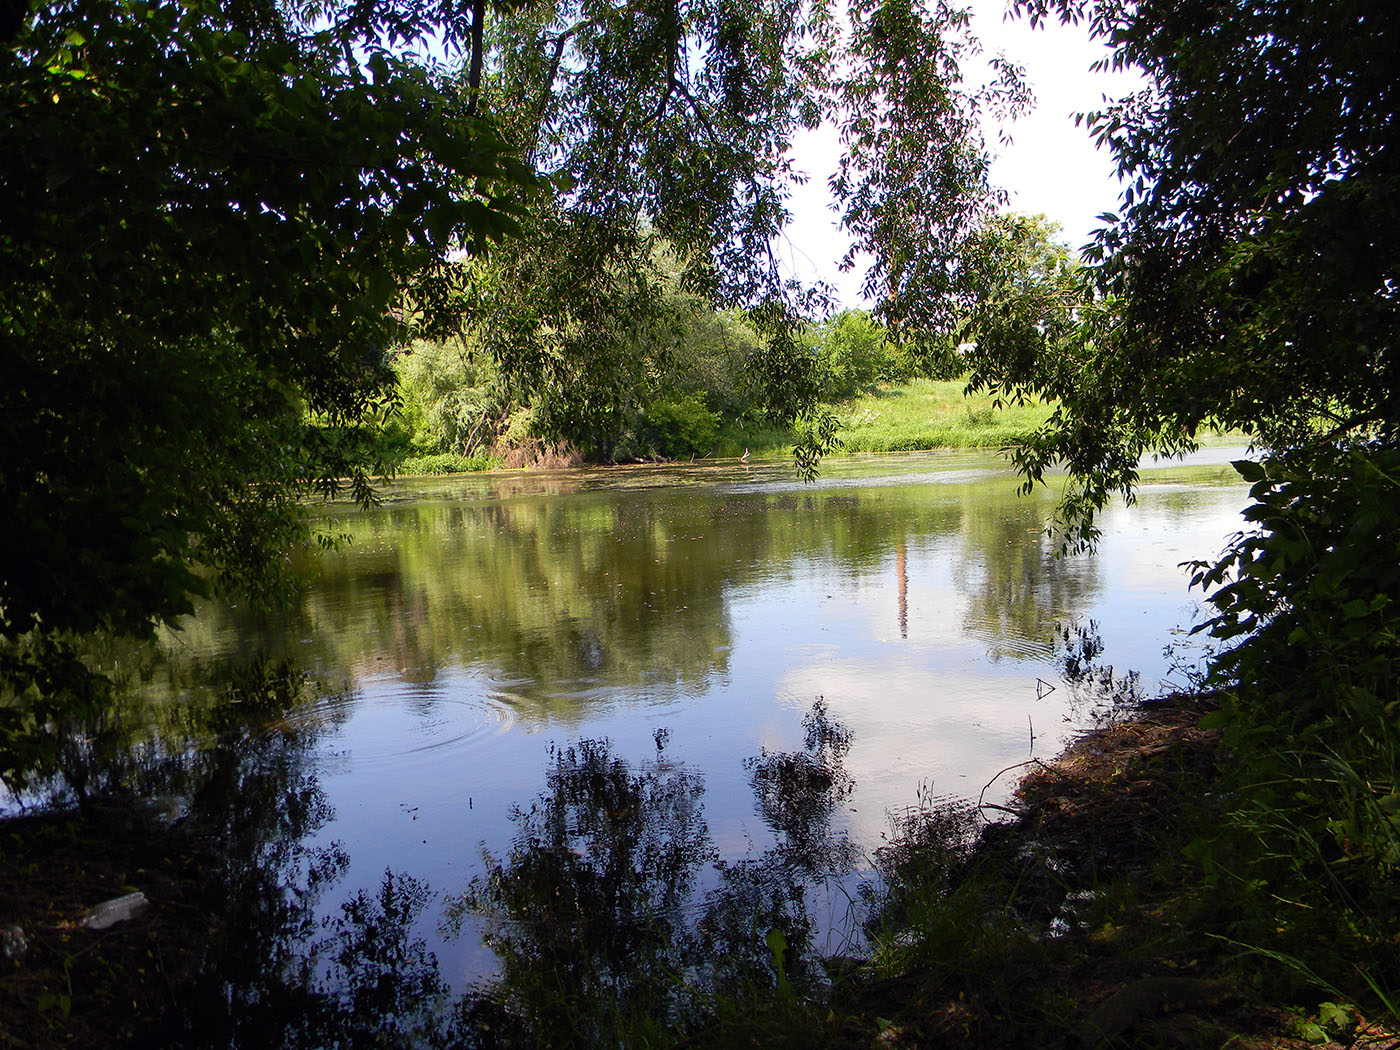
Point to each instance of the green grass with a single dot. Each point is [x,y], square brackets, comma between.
[928,413]
[907,417]
[445,463]
[761,441]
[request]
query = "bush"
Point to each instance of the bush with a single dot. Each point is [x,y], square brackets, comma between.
[446,463]
[854,354]
[451,397]
[1306,860]
[676,427]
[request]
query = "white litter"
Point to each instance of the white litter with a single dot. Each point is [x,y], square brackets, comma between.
[116,910]
[12,942]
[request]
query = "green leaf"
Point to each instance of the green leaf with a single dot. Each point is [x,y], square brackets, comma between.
[1249,469]
[1214,720]
[1313,1033]
[1339,1017]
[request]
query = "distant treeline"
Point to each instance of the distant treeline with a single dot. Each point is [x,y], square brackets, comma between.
[460,411]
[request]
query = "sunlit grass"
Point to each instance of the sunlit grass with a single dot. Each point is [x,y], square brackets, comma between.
[446,463]
[927,413]
[907,417]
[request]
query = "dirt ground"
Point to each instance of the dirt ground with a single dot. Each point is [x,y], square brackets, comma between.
[71,986]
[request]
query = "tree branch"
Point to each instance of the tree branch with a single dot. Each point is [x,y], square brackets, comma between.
[478,56]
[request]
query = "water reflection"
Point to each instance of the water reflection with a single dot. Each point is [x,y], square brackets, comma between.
[634,588]
[1015,584]
[403,704]
[901,572]
[797,795]
[611,911]
[596,914]
[586,911]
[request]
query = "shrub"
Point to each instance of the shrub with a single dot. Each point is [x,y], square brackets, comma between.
[446,463]
[677,426]
[1306,860]
[854,354]
[451,397]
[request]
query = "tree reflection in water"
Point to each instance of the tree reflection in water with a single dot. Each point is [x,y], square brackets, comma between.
[594,912]
[611,912]
[279,976]
[586,910]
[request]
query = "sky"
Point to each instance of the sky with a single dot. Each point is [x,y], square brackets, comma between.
[1051,166]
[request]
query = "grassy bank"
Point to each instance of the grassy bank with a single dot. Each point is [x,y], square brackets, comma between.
[904,417]
[446,463]
[927,413]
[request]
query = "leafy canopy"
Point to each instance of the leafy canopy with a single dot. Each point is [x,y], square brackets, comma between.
[1250,281]
[209,215]
[210,211]
[668,127]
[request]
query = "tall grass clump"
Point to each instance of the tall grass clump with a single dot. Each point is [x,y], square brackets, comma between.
[447,463]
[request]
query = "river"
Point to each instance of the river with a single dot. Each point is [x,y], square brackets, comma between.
[733,665]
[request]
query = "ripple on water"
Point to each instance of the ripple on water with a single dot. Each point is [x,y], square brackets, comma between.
[1024,649]
[1007,645]
[388,720]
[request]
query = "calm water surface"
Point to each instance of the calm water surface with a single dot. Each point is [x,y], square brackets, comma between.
[691,617]
[586,722]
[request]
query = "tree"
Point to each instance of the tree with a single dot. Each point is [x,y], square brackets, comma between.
[1250,282]
[209,213]
[577,316]
[209,216]
[670,124]
[452,399]
[1024,318]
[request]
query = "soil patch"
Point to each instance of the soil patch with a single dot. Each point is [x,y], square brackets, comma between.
[71,986]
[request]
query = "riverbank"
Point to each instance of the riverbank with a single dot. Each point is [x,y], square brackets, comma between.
[1078,922]
[920,415]
[1084,921]
[905,417]
[64,983]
